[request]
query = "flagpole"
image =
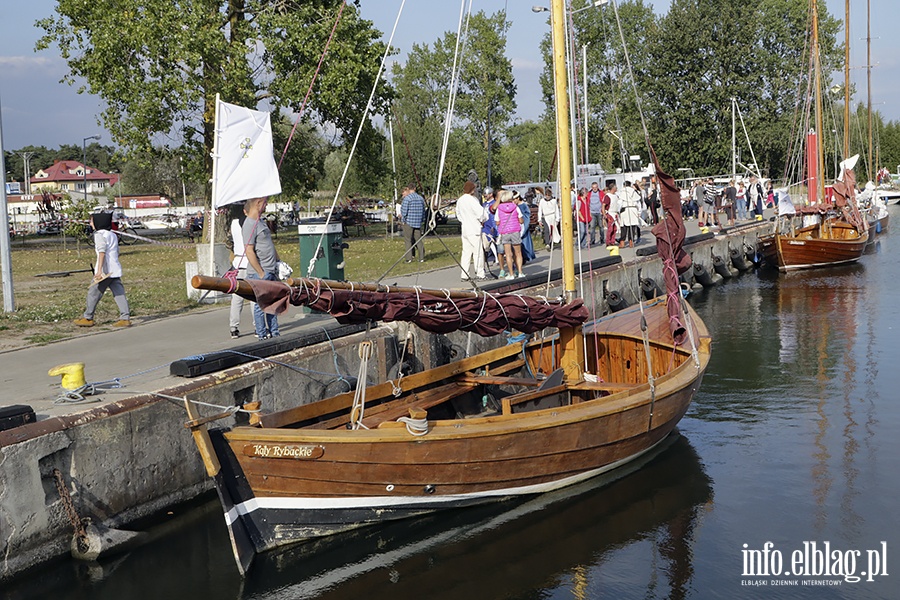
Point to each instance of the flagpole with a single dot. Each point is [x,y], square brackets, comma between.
[214,192]
[9,301]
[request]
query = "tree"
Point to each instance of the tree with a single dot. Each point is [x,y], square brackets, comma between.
[485,102]
[613,121]
[687,66]
[158,64]
[708,52]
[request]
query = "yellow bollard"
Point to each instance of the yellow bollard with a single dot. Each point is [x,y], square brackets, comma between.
[72,375]
[613,250]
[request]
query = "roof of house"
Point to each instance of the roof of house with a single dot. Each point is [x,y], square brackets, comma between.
[71,170]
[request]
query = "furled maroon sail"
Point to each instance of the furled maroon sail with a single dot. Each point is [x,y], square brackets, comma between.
[484,314]
[670,234]
[845,200]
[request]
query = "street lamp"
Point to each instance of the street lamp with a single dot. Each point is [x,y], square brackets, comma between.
[597,3]
[84,161]
[538,152]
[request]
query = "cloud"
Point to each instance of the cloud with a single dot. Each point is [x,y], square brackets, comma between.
[527,64]
[27,63]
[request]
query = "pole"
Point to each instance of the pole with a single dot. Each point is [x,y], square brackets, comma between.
[733,142]
[9,301]
[489,148]
[869,81]
[571,350]
[570,53]
[587,159]
[84,167]
[846,78]
[393,210]
[214,190]
[183,189]
[84,162]
[817,66]
[26,166]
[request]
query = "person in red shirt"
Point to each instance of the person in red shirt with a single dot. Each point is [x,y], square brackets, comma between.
[583,214]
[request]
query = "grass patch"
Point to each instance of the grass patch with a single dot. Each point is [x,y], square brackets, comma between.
[45,338]
[154,279]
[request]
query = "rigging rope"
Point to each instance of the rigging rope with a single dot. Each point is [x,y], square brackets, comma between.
[688,324]
[362,122]
[357,413]
[461,40]
[311,83]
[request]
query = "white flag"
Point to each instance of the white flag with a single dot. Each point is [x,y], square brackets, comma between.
[785,204]
[245,165]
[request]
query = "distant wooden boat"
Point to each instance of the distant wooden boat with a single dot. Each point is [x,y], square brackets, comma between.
[824,244]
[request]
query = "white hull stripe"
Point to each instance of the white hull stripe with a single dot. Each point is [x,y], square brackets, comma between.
[362,502]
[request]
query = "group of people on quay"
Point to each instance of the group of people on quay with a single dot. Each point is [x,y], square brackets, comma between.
[739,201]
[498,226]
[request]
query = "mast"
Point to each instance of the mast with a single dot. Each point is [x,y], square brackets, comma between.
[869,83]
[846,78]
[817,67]
[571,349]
[733,143]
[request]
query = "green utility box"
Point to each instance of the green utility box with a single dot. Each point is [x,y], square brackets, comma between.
[330,262]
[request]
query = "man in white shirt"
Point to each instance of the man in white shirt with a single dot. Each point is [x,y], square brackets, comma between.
[471,216]
[107,273]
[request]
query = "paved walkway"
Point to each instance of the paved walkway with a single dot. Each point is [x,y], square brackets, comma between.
[140,355]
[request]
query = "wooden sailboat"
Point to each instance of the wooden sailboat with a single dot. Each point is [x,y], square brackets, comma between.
[481,429]
[840,233]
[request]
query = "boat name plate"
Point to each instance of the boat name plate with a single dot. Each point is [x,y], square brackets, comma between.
[294,451]
[794,243]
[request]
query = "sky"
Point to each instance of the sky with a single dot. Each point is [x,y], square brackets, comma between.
[38,110]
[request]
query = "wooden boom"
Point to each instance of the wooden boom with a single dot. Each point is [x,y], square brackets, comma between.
[220,284]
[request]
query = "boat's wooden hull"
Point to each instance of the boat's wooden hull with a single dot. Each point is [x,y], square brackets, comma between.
[809,248]
[286,485]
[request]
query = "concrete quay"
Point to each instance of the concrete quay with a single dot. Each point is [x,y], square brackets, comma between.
[125,454]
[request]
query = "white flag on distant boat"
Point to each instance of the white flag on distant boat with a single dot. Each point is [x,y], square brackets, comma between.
[848,164]
[245,162]
[785,204]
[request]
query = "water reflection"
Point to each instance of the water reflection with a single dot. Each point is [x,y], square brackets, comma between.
[557,540]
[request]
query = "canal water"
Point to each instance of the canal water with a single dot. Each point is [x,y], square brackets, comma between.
[783,483]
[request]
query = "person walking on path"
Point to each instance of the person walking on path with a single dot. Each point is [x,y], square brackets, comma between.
[262,261]
[595,204]
[509,226]
[239,263]
[107,273]
[412,216]
[548,215]
[471,217]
